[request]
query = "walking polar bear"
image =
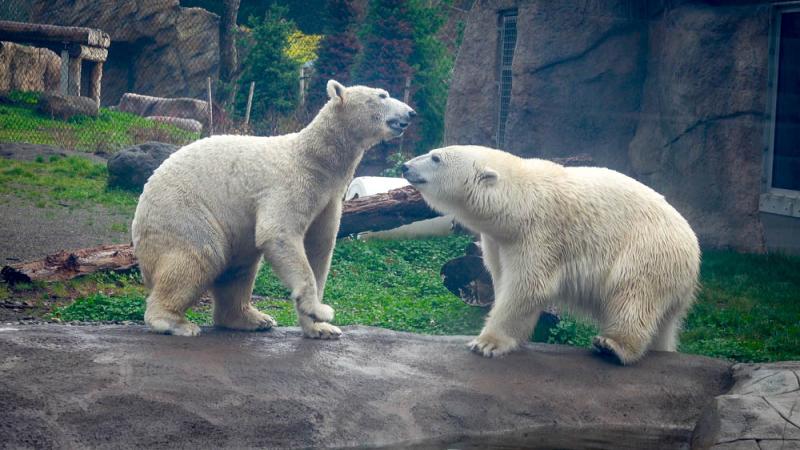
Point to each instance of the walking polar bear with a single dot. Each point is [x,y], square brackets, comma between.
[591,239]
[214,207]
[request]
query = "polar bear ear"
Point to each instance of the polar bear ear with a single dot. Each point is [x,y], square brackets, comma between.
[489,176]
[336,90]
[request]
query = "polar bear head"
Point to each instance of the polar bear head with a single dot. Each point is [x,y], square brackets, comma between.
[368,112]
[458,180]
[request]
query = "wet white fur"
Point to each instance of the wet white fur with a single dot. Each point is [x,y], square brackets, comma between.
[590,239]
[214,207]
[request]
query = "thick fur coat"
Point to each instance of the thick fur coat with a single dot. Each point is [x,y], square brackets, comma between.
[590,239]
[212,210]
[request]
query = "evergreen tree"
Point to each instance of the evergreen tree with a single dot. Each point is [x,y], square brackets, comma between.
[267,64]
[337,51]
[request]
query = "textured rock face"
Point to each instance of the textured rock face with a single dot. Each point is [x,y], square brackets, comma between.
[66,106]
[157,47]
[185,108]
[25,68]
[123,387]
[761,411]
[674,96]
[130,168]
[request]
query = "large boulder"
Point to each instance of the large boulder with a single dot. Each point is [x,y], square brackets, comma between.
[157,47]
[64,107]
[671,93]
[25,68]
[113,386]
[131,167]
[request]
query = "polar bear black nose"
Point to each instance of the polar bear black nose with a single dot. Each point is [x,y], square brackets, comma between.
[404,168]
[412,114]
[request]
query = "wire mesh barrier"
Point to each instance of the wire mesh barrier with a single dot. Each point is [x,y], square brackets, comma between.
[150,80]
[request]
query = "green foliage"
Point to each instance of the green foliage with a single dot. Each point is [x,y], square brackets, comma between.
[337,51]
[101,307]
[267,64]
[395,161]
[399,40]
[392,284]
[302,48]
[73,180]
[572,332]
[109,132]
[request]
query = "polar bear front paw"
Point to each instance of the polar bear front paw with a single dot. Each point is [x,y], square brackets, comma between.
[491,345]
[174,327]
[320,312]
[321,330]
[609,347]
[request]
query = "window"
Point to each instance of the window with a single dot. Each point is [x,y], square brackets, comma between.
[782,169]
[506,43]
[786,138]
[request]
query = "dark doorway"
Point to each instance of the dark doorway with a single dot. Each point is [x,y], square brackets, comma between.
[786,147]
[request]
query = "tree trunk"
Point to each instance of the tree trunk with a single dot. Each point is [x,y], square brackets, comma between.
[384,211]
[227,41]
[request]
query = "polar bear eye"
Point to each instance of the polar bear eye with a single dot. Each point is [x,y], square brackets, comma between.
[436,159]
[382,95]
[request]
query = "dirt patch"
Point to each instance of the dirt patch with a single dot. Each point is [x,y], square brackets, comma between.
[30,231]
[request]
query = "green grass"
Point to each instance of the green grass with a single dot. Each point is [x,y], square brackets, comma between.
[109,132]
[73,180]
[748,309]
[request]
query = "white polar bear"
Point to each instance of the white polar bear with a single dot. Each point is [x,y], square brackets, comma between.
[214,207]
[590,239]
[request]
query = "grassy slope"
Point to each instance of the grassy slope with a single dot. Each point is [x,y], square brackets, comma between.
[73,180]
[747,310]
[110,131]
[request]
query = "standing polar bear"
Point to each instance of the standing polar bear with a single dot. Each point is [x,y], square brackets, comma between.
[214,207]
[591,239]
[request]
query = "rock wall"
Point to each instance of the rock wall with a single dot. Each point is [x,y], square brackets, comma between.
[24,68]
[157,47]
[671,93]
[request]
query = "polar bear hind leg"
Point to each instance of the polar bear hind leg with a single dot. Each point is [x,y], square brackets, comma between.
[666,339]
[177,285]
[629,326]
[232,291]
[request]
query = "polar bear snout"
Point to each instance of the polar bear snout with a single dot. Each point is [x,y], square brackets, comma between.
[399,122]
[412,174]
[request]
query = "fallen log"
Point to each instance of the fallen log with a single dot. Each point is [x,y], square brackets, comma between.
[67,265]
[384,211]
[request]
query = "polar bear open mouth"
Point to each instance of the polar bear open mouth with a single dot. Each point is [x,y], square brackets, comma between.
[398,126]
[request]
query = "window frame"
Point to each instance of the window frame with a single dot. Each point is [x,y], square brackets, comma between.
[774,200]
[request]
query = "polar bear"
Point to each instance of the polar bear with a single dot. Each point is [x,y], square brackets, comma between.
[590,239]
[210,212]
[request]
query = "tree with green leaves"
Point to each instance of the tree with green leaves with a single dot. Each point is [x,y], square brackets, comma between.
[337,51]
[268,65]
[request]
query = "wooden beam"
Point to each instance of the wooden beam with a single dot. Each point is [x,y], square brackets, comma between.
[21,31]
[88,53]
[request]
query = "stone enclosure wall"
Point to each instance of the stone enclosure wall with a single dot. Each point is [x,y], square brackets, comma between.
[673,93]
[157,47]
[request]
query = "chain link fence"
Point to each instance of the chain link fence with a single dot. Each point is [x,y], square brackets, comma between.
[151,80]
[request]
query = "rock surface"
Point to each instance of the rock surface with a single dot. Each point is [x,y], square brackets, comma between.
[185,108]
[130,168]
[113,386]
[25,68]
[67,106]
[157,47]
[761,411]
[671,93]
